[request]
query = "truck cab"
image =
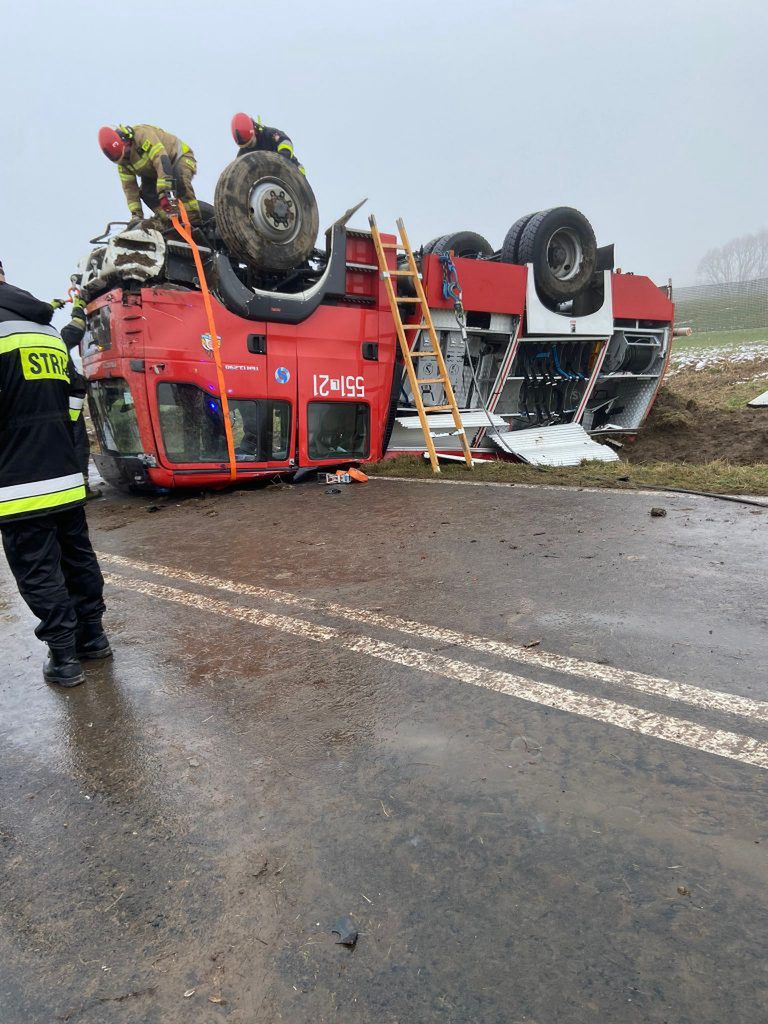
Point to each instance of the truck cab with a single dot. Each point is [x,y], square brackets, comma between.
[313,393]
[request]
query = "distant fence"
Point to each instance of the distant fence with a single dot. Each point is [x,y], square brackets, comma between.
[742,305]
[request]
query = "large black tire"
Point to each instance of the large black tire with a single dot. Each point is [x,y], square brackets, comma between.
[560,243]
[511,243]
[266,211]
[429,247]
[464,243]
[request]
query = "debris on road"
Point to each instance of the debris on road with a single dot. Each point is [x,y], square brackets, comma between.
[341,476]
[346,931]
[657,512]
[334,478]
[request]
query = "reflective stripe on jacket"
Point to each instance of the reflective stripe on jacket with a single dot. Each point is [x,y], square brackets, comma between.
[38,464]
[152,154]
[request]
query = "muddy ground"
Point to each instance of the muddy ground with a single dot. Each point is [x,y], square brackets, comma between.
[328,706]
[701,415]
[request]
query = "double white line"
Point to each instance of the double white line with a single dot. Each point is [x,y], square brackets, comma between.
[732,745]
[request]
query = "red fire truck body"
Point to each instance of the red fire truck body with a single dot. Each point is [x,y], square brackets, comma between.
[326,390]
[316,393]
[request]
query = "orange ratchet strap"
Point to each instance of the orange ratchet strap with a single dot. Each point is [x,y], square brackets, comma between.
[183,227]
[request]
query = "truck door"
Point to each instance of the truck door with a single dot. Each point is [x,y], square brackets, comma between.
[340,387]
[182,388]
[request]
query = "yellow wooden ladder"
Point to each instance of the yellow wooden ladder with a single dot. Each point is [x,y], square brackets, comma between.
[409,354]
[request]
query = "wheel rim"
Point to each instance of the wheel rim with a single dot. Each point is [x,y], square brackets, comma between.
[274,210]
[565,254]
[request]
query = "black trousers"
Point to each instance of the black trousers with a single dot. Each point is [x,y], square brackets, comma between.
[56,571]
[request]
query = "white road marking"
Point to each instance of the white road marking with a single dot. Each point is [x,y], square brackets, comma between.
[209,604]
[732,746]
[696,696]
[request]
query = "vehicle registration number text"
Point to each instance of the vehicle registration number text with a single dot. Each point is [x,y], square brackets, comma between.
[325,386]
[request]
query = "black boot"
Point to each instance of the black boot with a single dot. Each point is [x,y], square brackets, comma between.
[62,667]
[92,642]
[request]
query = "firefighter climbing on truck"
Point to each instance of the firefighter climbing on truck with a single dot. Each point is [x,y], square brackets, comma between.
[153,166]
[252,135]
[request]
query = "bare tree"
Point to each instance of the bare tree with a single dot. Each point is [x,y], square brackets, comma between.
[741,259]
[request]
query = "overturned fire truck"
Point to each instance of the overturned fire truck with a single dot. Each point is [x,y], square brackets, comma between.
[553,340]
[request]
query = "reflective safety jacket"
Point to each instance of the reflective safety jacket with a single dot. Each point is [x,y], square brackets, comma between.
[152,154]
[39,400]
[273,140]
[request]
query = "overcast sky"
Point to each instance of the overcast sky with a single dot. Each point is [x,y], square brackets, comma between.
[650,117]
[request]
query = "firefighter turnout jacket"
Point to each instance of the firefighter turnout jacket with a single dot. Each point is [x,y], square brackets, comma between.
[273,140]
[153,154]
[40,397]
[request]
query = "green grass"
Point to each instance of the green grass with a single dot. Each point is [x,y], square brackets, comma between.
[716,477]
[718,339]
[740,394]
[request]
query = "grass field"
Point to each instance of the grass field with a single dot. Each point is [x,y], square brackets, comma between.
[721,339]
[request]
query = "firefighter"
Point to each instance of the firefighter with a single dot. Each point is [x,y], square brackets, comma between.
[42,520]
[72,336]
[251,135]
[165,165]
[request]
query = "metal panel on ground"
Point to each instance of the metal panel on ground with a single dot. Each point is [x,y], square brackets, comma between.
[566,444]
[760,400]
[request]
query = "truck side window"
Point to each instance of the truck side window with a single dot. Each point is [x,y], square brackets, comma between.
[338,430]
[193,427]
[114,416]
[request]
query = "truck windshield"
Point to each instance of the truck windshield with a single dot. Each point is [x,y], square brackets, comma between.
[114,416]
[193,427]
[338,430]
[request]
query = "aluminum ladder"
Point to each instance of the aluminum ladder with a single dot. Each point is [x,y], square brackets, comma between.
[409,354]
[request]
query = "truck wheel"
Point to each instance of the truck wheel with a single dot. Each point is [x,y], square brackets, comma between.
[430,246]
[509,248]
[464,243]
[266,211]
[560,243]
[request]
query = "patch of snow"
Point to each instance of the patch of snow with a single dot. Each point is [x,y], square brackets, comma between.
[701,358]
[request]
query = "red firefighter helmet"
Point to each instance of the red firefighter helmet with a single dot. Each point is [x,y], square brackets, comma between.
[112,146]
[243,129]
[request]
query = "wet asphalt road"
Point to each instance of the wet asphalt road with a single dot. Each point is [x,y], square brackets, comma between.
[513,841]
